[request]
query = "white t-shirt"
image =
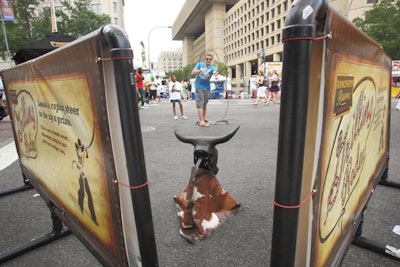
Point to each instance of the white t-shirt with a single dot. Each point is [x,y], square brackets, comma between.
[153,86]
[159,85]
[177,94]
[2,91]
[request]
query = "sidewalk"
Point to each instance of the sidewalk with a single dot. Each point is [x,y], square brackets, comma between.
[5,130]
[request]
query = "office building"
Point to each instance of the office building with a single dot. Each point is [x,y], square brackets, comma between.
[241,33]
[113,8]
[170,60]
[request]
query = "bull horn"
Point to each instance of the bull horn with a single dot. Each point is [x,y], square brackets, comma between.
[206,140]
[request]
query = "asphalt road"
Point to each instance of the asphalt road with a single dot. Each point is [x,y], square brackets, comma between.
[247,166]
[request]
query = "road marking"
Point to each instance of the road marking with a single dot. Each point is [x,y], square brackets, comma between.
[8,154]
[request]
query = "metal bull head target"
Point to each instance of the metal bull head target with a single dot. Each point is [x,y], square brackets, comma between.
[204,148]
[204,205]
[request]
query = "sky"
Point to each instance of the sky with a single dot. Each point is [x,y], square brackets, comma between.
[142,16]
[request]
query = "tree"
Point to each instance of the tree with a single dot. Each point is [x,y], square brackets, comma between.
[19,31]
[382,24]
[79,19]
[31,25]
[182,74]
[185,73]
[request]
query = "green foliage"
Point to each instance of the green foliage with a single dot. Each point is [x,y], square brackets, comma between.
[79,19]
[382,24]
[222,70]
[17,32]
[31,25]
[185,73]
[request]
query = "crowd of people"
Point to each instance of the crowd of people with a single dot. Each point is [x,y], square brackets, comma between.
[179,91]
[155,89]
[268,88]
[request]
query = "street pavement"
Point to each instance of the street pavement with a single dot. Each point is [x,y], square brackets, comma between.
[247,165]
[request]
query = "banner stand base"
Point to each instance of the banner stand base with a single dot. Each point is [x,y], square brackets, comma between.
[387,182]
[27,185]
[15,189]
[59,230]
[377,247]
[373,245]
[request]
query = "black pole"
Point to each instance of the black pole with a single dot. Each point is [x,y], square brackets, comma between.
[122,54]
[27,185]
[17,189]
[385,181]
[57,232]
[297,35]
[373,245]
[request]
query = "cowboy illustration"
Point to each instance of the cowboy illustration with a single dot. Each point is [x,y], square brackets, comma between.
[82,153]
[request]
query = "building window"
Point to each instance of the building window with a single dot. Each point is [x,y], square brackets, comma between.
[96,8]
[114,7]
[233,73]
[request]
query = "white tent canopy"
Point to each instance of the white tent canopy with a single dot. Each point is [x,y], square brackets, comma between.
[220,78]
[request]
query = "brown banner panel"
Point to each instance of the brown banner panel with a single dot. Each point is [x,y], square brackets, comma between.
[58,107]
[355,135]
[334,133]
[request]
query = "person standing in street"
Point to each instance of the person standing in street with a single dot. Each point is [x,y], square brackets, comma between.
[175,89]
[189,89]
[3,112]
[203,72]
[275,87]
[152,90]
[140,86]
[261,89]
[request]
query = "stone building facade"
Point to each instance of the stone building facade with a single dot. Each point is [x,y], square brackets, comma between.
[170,60]
[241,33]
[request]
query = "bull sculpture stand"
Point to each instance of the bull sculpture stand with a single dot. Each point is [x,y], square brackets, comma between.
[204,205]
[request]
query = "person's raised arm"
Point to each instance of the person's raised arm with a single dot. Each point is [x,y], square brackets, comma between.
[196,70]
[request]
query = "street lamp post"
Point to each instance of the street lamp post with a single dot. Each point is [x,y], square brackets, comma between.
[148,40]
[5,38]
[53,17]
[53,20]
[237,24]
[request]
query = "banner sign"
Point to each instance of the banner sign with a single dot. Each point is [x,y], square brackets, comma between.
[66,145]
[345,150]
[269,68]
[143,53]
[355,135]
[7,10]
[354,148]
